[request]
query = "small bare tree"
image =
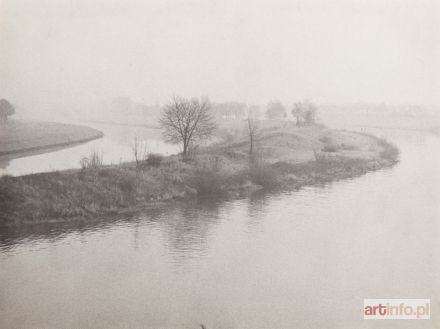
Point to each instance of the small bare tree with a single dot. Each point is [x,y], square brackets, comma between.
[187,121]
[252,125]
[139,149]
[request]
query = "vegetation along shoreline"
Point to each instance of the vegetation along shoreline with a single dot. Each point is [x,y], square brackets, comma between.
[246,156]
[219,170]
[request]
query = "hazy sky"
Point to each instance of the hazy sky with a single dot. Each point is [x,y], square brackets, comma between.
[56,53]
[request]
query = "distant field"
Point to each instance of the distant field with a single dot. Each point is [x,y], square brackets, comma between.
[24,136]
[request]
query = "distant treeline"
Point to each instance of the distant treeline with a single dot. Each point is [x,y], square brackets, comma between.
[125,108]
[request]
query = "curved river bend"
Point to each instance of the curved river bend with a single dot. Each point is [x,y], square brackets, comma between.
[304,259]
[115,146]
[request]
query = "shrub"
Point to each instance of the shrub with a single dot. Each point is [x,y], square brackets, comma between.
[329,148]
[94,160]
[235,154]
[264,175]
[154,159]
[319,156]
[10,193]
[104,173]
[208,177]
[191,154]
[348,147]
[128,182]
[389,151]
[206,183]
[325,139]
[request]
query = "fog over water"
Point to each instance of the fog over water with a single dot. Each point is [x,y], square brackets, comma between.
[305,258]
[64,56]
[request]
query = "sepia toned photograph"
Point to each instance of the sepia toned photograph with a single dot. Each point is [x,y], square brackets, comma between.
[219,164]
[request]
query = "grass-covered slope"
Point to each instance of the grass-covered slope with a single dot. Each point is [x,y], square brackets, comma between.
[286,157]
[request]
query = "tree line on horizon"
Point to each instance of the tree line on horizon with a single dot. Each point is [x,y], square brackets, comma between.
[304,112]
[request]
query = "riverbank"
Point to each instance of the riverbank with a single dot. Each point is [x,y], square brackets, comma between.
[287,157]
[21,137]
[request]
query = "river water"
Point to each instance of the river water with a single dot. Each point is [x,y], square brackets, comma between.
[304,259]
[115,147]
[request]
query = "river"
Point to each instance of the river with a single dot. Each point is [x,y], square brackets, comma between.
[303,259]
[115,146]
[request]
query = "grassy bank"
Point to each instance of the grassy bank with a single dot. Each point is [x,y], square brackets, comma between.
[288,157]
[24,136]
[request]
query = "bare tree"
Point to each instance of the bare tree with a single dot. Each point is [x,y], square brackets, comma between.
[139,149]
[187,121]
[252,125]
